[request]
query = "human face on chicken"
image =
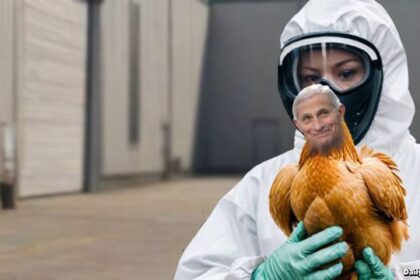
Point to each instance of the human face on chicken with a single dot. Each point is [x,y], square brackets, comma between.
[320,122]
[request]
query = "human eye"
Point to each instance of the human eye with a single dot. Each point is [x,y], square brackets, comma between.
[350,71]
[306,119]
[311,79]
[308,77]
[324,113]
[347,74]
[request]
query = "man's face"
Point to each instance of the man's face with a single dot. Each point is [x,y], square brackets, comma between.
[319,122]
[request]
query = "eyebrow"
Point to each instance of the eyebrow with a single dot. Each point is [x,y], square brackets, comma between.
[310,68]
[338,64]
[324,110]
[346,61]
[304,115]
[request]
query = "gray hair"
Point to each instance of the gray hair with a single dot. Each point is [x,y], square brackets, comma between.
[310,92]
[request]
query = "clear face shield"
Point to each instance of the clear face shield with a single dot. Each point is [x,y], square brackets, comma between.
[349,65]
[341,67]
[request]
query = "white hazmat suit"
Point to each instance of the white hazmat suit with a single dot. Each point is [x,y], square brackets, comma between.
[240,233]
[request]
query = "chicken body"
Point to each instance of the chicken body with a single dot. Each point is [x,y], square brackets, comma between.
[361,193]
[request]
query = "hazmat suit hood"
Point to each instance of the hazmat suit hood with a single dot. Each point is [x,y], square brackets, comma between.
[366,19]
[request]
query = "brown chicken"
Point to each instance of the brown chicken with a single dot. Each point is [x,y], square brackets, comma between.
[361,193]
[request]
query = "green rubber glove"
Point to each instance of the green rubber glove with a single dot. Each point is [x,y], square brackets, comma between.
[300,257]
[371,268]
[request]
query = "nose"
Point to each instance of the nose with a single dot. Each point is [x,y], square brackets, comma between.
[327,80]
[318,124]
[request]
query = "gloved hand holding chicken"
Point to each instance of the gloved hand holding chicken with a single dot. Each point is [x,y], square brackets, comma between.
[334,184]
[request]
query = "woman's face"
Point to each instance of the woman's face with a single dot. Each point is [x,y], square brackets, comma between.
[343,69]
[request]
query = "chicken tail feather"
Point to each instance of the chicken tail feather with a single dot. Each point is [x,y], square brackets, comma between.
[399,231]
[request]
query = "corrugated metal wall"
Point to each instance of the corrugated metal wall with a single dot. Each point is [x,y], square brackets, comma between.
[120,156]
[7,58]
[171,43]
[51,61]
[190,25]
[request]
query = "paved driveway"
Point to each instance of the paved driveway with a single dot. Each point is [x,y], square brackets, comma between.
[128,233]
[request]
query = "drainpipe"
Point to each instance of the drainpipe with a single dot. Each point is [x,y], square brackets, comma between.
[167,125]
[8,128]
[8,165]
[93,117]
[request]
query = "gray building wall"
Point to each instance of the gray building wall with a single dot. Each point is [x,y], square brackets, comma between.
[50,61]
[189,38]
[242,121]
[121,155]
[171,40]
[238,115]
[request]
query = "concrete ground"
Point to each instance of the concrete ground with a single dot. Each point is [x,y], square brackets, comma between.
[127,233]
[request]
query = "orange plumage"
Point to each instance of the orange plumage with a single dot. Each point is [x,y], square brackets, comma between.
[361,193]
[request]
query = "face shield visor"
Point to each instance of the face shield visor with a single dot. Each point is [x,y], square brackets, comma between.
[349,65]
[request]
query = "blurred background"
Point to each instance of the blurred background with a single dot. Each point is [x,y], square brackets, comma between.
[103,94]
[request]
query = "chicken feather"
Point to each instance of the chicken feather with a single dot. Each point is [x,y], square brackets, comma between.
[280,207]
[362,193]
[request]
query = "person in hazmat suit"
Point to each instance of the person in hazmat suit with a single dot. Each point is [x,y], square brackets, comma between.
[353,47]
